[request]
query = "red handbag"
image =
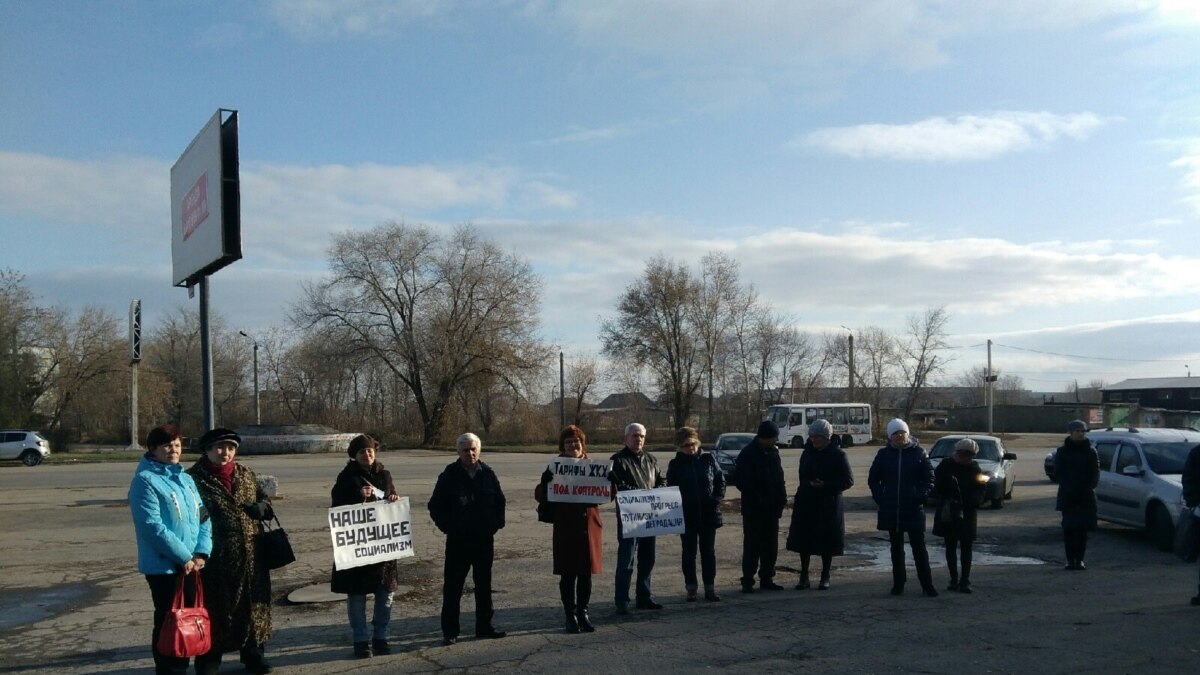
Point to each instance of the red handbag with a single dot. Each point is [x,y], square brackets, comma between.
[186,631]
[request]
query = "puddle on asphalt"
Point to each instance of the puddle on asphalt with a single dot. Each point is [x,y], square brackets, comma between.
[25,606]
[877,555]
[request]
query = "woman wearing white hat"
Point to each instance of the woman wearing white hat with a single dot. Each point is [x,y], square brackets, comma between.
[901,478]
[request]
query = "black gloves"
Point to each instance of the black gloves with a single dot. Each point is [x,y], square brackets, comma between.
[259,510]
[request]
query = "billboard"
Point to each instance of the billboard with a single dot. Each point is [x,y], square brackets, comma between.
[206,222]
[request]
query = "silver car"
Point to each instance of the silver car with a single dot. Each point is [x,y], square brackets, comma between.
[997,465]
[28,446]
[1140,478]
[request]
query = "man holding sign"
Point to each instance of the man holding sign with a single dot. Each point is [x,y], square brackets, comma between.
[634,469]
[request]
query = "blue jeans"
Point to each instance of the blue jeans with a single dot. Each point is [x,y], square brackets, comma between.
[627,549]
[356,609]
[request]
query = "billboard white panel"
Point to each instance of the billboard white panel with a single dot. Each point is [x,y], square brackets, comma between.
[205,203]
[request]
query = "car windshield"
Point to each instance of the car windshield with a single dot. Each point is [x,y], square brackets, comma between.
[989,451]
[738,442]
[1167,457]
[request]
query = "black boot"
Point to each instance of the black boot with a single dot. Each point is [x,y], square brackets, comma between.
[362,650]
[583,598]
[255,659]
[380,647]
[566,590]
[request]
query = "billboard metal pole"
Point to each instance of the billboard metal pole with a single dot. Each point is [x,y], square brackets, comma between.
[206,369]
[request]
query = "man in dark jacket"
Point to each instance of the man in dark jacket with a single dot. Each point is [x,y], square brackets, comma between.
[634,469]
[1078,469]
[1191,491]
[468,505]
[759,478]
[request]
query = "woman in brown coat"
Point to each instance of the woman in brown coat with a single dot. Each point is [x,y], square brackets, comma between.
[237,583]
[578,547]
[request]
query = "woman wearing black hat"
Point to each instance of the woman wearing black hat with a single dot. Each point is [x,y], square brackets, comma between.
[365,480]
[1078,469]
[237,585]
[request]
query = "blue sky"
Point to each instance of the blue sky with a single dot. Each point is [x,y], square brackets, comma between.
[1033,165]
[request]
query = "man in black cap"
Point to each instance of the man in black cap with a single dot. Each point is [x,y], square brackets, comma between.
[759,477]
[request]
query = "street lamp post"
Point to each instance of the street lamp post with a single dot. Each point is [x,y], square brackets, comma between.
[257,410]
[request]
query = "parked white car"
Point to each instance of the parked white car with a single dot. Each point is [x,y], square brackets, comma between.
[1141,472]
[28,446]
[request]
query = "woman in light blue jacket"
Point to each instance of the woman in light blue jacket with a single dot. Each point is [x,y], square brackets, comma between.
[174,534]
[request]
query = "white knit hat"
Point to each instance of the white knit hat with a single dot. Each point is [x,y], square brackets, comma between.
[895,425]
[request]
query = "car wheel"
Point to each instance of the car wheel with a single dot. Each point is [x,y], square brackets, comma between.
[847,441]
[1160,528]
[31,458]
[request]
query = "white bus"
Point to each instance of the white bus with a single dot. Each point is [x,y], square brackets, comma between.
[851,421]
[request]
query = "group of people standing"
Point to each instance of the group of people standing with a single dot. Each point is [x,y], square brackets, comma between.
[203,522]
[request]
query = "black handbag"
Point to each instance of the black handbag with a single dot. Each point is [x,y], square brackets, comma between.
[274,547]
[951,512]
[545,510]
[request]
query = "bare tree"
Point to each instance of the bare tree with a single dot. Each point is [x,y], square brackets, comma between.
[84,349]
[436,312]
[925,337]
[719,294]
[653,327]
[582,376]
[22,334]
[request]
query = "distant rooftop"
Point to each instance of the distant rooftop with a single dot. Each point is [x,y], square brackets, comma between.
[1155,383]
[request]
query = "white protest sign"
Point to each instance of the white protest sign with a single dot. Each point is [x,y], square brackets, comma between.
[371,532]
[650,513]
[579,481]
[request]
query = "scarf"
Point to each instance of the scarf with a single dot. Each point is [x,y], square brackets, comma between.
[223,472]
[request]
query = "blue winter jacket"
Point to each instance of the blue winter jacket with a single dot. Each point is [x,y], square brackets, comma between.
[168,517]
[900,480]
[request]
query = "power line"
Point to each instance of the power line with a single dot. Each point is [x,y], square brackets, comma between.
[1088,358]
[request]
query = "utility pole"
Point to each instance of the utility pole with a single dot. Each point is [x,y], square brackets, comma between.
[850,347]
[991,384]
[135,357]
[562,393]
[257,410]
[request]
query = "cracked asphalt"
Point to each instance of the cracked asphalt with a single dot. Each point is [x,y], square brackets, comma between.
[71,600]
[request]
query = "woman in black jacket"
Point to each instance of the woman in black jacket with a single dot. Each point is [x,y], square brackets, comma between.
[819,512]
[701,487]
[958,483]
[365,480]
[1078,469]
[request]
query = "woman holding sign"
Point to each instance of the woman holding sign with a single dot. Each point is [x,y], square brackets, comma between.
[365,480]
[701,488]
[578,547]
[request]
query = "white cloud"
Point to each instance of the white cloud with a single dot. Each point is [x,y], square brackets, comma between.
[1189,164]
[112,192]
[287,210]
[958,139]
[335,18]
